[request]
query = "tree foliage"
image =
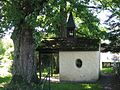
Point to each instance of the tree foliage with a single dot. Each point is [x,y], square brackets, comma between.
[50,18]
[113,23]
[87,25]
[2,49]
[15,12]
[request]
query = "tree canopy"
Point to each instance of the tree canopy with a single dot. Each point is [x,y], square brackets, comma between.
[51,17]
[113,23]
[56,12]
[15,12]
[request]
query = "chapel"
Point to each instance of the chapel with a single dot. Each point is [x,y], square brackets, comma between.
[79,57]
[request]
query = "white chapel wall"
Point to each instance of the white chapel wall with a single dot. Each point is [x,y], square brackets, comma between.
[90,66]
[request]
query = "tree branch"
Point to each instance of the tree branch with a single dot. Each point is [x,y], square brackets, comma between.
[94,7]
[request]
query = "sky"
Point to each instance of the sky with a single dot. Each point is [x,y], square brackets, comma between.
[103,16]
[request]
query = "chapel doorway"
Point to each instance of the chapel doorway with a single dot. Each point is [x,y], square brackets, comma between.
[48,65]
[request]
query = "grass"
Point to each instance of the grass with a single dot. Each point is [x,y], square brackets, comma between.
[107,70]
[62,86]
[75,86]
[57,86]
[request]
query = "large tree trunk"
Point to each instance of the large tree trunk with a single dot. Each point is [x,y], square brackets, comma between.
[63,16]
[24,65]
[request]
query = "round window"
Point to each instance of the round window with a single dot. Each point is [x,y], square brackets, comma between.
[79,63]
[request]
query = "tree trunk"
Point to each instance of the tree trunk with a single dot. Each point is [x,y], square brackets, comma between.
[24,65]
[63,16]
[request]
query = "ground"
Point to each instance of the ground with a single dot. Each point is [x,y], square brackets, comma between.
[109,82]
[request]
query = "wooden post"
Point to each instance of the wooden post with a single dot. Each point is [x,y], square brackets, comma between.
[40,58]
[51,64]
[49,74]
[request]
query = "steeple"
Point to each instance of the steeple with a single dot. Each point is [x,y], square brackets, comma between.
[70,26]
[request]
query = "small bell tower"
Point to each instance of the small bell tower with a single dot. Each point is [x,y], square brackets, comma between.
[70,26]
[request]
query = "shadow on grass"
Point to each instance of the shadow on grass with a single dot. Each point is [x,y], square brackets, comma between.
[54,86]
[74,86]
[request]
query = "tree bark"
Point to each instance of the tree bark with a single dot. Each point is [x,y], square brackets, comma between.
[63,16]
[16,62]
[24,65]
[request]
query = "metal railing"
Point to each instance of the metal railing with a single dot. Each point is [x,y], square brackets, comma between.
[45,82]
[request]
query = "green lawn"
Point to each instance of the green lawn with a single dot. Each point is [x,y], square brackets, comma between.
[62,86]
[57,86]
[107,70]
[75,86]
